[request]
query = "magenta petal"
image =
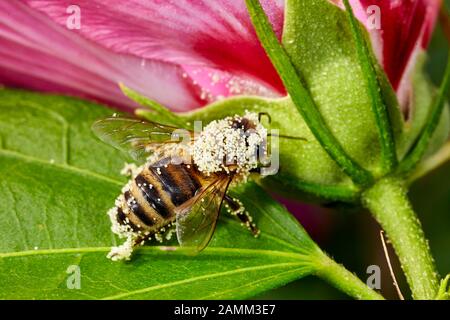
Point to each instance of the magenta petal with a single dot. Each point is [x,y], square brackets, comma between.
[213,34]
[38,54]
[214,84]
[406,27]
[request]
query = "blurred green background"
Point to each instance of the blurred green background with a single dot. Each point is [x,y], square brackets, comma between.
[352,237]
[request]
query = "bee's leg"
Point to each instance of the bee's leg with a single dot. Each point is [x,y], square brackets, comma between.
[237,209]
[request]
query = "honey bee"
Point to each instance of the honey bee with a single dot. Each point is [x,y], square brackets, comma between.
[187,194]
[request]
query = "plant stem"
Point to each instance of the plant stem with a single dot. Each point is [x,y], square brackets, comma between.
[345,281]
[389,204]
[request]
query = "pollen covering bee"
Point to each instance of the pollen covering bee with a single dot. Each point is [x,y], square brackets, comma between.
[180,185]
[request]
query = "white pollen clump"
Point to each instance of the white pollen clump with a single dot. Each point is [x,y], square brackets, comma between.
[222,146]
[122,252]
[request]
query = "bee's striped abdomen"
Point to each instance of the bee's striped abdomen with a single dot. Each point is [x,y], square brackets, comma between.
[177,181]
[138,209]
[154,193]
[146,186]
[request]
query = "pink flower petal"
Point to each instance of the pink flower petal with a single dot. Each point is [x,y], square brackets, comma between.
[214,84]
[36,53]
[193,33]
[150,44]
[405,27]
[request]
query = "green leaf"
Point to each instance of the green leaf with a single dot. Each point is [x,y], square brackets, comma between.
[444,289]
[56,183]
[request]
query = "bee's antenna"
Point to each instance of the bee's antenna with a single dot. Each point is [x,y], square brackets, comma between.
[286,137]
[260,114]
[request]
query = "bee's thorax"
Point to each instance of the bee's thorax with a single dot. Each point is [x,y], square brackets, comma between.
[229,145]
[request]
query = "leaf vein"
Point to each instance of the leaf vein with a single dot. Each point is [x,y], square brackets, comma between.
[80,171]
[153,249]
[203,277]
[248,284]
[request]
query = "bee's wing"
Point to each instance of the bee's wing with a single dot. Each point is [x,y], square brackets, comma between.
[197,218]
[136,137]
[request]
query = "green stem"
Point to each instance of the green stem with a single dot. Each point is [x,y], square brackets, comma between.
[345,281]
[389,204]
[301,97]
